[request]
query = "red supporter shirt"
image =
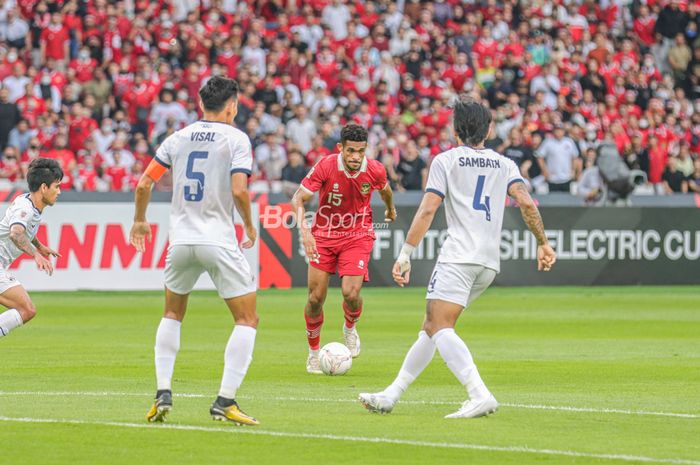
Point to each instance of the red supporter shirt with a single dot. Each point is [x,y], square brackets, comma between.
[458,75]
[80,129]
[9,169]
[113,46]
[644,27]
[314,155]
[66,181]
[344,210]
[609,73]
[122,83]
[626,60]
[118,175]
[88,176]
[83,69]
[31,107]
[484,47]
[54,39]
[139,97]
[230,60]
[64,155]
[658,158]
[73,22]
[132,180]
[58,79]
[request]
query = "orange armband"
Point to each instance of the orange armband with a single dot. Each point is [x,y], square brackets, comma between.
[155,170]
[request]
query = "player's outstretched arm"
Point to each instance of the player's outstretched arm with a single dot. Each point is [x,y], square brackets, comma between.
[19,237]
[44,250]
[301,196]
[388,197]
[420,225]
[531,215]
[239,189]
[141,230]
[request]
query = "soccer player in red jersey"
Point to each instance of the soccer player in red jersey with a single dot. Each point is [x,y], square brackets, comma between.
[341,236]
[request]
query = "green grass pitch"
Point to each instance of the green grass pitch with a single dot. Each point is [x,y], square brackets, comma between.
[584,375]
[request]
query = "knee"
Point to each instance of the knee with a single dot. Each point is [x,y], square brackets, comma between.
[429,327]
[351,295]
[432,328]
[173,315]
[434,322]
[249,320]
[27,311]
[315,304]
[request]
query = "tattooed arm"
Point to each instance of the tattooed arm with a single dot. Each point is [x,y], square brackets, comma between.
[19,237]
[531,215]
[44,250]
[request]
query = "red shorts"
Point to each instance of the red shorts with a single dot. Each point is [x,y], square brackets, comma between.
[346,256]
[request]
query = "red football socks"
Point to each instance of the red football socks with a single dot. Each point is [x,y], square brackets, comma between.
[351,316]
[313,330]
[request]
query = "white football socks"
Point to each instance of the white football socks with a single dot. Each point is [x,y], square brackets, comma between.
[456,354]
[418,357]
[9,320]
[237,358]
[167,345]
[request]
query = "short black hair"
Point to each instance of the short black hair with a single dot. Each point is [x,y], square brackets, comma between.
[471,120]
[217,91]
[43,171]
[353,132]
[166,91]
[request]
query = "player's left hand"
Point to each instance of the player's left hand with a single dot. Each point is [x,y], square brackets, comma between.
[252,236]
[47,252]
[401,272]
[390,215]
[546,257]
[140,233]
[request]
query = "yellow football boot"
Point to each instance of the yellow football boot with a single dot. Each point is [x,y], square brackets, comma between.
[160,408]
[232,413]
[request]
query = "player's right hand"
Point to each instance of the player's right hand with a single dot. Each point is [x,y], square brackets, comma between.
[140,233]
[252,236]
[43,264]
[401,272]
[546,257]
[307,239]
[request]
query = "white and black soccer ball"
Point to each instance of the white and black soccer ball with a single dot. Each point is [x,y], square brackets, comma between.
[335,359]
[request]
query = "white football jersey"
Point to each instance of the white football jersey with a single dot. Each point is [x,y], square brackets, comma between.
[474,184]
[203,156]
[21,211]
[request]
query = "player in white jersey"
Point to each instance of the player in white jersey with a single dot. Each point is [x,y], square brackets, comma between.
[210,161]
[472,182]
[18,230]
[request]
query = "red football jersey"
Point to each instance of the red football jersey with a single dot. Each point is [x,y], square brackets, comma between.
[344,209]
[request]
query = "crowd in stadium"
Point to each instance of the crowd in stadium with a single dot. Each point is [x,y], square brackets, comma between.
[99,84]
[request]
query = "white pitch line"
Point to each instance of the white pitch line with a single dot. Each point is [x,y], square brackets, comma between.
[367,439]
[559,408]
[602,410]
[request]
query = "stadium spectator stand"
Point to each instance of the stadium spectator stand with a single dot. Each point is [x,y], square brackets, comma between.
[98,84]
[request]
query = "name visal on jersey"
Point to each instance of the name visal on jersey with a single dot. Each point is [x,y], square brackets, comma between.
[203,156]
[21,211]
[474,185]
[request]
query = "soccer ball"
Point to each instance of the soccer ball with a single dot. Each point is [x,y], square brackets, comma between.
[335,359]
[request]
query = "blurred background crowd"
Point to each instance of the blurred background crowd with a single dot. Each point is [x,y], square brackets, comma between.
[99,84]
